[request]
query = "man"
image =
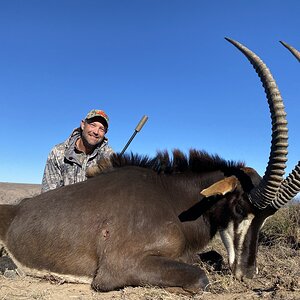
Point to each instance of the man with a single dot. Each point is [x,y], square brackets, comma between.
[67,162]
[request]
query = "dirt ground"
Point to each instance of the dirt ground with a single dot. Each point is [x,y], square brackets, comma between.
[278,278]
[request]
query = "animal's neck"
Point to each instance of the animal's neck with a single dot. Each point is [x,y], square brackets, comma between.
[193,212]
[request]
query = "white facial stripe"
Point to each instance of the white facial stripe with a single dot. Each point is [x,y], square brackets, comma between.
[228,235]
[242,230]
[264,222]
[227,238]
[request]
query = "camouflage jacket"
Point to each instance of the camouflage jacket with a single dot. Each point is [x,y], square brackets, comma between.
[65,165]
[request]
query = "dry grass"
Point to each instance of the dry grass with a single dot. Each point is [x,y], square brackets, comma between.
[283,228]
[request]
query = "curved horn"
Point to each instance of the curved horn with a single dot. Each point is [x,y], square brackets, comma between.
[289,188]
[265,192]
[294,51]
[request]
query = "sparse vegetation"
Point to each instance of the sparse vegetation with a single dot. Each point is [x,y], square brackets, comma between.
[283,228]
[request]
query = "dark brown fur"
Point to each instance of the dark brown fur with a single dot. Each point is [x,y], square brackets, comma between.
[127,225]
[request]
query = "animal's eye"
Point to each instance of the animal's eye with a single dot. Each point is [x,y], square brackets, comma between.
[240,210]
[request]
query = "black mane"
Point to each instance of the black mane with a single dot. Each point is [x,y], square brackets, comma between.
[196,161]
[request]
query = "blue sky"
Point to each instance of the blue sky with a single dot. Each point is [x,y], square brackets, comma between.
[167,59]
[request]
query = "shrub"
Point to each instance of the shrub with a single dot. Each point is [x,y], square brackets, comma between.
[283,227]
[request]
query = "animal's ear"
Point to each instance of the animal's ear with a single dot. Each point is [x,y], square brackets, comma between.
[221,187]
[253,175]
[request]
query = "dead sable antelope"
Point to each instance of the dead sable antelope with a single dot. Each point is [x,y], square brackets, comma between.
[142,221]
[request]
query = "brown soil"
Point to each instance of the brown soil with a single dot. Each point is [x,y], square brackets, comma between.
[278,278]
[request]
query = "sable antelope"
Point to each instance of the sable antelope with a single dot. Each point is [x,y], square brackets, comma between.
[143,221]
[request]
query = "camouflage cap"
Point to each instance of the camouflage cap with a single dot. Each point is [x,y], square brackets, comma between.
[97,113]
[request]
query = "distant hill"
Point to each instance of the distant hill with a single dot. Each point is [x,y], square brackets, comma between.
[11,193]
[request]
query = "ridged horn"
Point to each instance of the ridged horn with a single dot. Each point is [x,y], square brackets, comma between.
[265,192]
[293,50]
[288,189]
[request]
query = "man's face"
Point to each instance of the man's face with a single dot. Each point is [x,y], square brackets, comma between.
[93,131]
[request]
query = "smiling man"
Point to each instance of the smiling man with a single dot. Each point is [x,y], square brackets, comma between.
[68,161]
